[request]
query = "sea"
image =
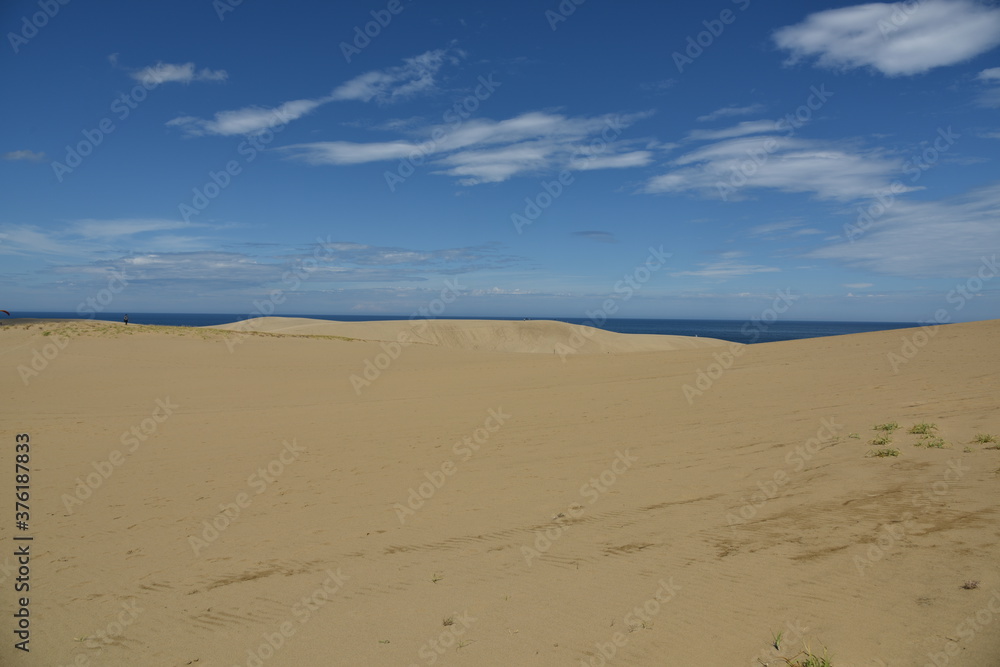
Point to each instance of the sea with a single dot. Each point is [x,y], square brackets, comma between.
[739,331]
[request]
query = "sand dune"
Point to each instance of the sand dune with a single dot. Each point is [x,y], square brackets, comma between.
[204,498]
[534,336]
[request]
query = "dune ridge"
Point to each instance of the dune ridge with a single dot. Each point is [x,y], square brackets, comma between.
[525,336]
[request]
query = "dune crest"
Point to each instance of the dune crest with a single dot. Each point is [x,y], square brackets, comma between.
[527,336]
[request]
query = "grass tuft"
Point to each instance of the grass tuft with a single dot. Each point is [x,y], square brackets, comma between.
[888,427]
[880,441]
[883,452]
[923,428]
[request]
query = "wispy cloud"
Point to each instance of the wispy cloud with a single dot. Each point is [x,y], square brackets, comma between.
[743,129]
[789,164]
[489,151]
[726,112]
[894,39]
[782,229]
[416,76]
[924,239]
[729,266]
[990,97]
[249,120]
[661,86]
[27,156]
[154,75]
[123,227]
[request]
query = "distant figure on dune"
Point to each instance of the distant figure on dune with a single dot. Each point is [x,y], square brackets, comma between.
[126,319]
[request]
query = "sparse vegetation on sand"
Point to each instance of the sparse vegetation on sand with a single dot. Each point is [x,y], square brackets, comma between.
[883,452]
[935,443]
[923,428]
[986,439]
[880,441]
[887,427]
[809,659]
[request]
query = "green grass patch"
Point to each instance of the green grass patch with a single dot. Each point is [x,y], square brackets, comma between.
[888,427]
[883,452]
[923,428]
[880,441]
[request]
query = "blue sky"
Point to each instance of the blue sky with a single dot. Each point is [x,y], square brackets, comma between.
[211,157]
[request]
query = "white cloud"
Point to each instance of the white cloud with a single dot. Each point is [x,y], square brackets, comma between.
[926,238]
[489,151]
[725,112]
[743,129]
[728,267]
[415,76]
[109,229]
[159,73]
[249,120]
[28,156]
[990,97]
[895,39]
[825,170]
[620,161]
[775,230]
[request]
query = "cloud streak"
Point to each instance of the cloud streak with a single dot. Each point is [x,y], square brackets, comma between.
[416,76]
[159,73]
[490,151]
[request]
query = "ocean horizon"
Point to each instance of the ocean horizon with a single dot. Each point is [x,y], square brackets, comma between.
[739,331]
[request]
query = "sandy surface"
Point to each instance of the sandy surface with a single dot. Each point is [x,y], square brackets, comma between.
[465,503]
